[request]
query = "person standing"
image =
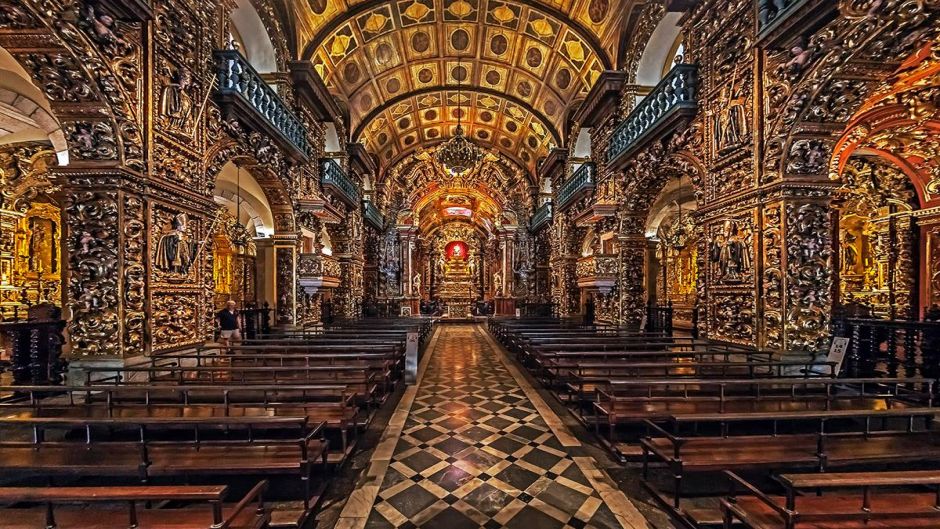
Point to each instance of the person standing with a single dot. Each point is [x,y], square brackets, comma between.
[228,324]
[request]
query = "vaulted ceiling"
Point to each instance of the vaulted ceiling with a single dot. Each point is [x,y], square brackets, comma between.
[521,65]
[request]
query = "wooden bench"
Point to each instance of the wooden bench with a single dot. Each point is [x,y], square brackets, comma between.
[386,366]
[203,507]
[358,378]
[868,506]
[148,448]
[333,406]
[579,378]
[863,437]
[632,402]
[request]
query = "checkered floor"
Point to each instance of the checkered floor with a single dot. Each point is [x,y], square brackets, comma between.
[475,453]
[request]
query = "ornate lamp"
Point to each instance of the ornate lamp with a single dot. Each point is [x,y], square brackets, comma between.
[459,153]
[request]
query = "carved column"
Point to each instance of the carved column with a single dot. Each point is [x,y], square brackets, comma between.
[633,247]
[285,279]
[106,242]
[796,276]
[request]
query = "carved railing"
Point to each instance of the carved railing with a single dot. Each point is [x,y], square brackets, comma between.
[541,217]
[256,320]
[890,347]
[659,318]
[335,181]
[243,94]
[673,99]
[35,346]
[372,215]
[778,21]
[581,182]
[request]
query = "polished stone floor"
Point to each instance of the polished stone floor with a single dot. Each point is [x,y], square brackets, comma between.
[475,446]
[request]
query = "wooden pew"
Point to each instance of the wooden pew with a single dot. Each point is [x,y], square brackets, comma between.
[332,406]
[868,505]
[358,378]
[862,437]
[203,508]
[634,402]
[386,366]
[581,378]
[177,448]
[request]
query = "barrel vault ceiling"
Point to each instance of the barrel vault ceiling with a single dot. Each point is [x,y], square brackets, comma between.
[521,65]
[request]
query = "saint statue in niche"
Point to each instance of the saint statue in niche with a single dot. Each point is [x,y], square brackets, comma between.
[37,243]
[416,284]
[175,252]
[849,253]
[729,250]
[175,104]
[497,284]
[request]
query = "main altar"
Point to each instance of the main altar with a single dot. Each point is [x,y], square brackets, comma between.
[455,284]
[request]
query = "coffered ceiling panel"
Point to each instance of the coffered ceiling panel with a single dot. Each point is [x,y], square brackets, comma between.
[520,64]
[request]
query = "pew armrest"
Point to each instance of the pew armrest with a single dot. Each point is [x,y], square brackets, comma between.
[737,481]
[255,495]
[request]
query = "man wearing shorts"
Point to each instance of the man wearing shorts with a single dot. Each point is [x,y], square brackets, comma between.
[228,323]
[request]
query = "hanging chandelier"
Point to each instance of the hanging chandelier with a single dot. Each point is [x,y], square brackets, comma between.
[459,154]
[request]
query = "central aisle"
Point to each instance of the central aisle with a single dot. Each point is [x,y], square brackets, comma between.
[477,450]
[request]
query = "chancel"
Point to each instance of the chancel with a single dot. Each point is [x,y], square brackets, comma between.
[469,264]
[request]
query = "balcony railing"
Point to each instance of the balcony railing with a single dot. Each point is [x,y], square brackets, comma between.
[243,94]
[779,21]
[541,217]
[581,182]
[334,180]
[372,215]
[671,100]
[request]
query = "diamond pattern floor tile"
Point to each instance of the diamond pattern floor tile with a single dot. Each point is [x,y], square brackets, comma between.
[475,453]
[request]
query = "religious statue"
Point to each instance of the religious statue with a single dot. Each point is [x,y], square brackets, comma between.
[175,103]
[457,251]
[849,253]
[730,122]
[730,252]
[416,284]
[497,284]
[472,264]
[37,241]
[175,252]
[441,265]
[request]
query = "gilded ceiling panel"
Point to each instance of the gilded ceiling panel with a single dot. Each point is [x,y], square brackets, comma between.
[520,65]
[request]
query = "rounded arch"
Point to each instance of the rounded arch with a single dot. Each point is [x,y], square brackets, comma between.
[27,114]
[659,52]
[250,32]
[273,188]
[234,187]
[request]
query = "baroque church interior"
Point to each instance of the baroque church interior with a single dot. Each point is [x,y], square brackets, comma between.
[463,264]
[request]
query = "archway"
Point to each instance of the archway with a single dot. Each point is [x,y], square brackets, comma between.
[245,221]
[672,267]
[887,232]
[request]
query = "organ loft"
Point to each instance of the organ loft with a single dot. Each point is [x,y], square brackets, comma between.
[447,264]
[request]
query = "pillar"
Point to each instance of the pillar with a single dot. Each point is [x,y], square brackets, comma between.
[106,279]
[285,278]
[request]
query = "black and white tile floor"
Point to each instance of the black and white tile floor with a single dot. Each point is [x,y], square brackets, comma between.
[476,451]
